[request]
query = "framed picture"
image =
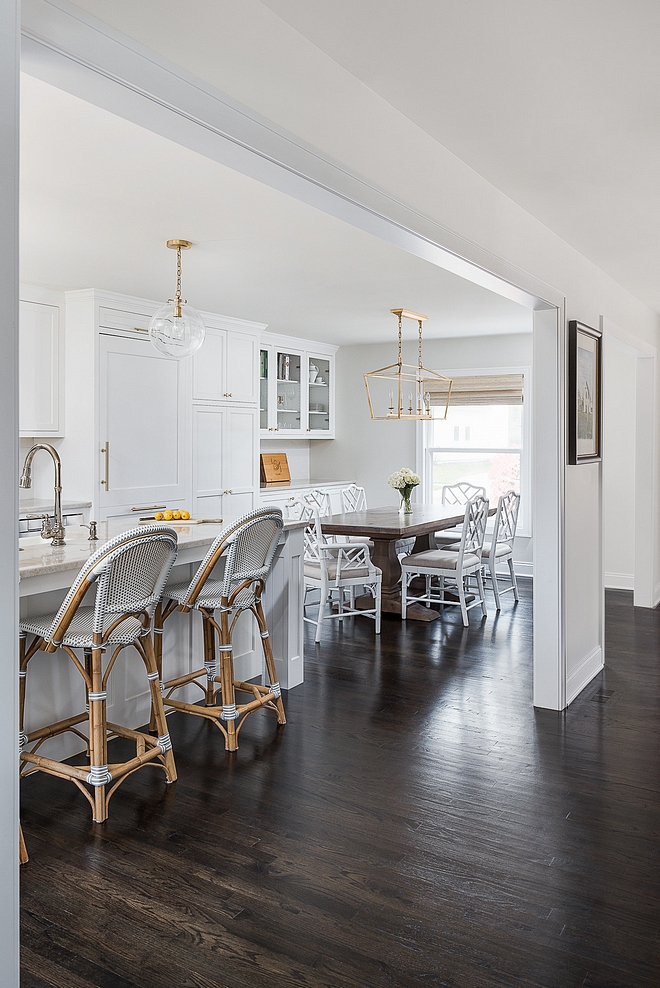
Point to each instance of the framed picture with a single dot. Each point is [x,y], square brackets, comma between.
[584,393]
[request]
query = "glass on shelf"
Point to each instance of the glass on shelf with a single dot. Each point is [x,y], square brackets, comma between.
[288,391]
[318,385]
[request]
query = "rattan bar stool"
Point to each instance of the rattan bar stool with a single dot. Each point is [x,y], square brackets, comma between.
[130,572]
[247,547]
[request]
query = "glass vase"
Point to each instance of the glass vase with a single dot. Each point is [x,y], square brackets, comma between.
[406,506]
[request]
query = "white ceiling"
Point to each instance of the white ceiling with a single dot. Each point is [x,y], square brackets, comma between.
[100,196]
[556,103]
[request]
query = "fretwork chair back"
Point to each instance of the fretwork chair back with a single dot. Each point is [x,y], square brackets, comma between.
[320,500]
[130,572]
[501,548]
[451,563]
[353,498]
[458,494]
[246,547]
[338,567]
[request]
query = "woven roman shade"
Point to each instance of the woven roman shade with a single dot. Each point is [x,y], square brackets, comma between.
[487,389]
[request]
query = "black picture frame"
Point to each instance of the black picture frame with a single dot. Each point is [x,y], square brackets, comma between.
[585,393]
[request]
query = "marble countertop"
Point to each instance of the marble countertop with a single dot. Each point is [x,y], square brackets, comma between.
[38,558]
[41,506]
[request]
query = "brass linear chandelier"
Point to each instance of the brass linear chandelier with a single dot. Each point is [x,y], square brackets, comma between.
[413,387]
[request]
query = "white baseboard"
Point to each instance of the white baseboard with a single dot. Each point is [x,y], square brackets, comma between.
[521,569]
[620,581]
[582,675]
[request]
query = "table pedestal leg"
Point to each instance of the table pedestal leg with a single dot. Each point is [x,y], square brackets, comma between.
[385,558]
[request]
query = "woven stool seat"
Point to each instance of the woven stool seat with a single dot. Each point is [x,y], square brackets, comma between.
[80,633]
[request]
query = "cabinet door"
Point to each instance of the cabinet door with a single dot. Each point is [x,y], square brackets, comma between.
[142,425]
[241,451]
[241,379]
[290,371]
[209,367]
[320,394]
[39,369]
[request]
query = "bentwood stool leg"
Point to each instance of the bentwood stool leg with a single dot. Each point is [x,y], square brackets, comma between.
[210,661]
[270,660]
[98,737]
[158,710]
[227,679]
[22,849]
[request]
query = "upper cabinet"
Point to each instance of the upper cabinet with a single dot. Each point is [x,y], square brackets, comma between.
[296,389]
[225,367]
[41,363]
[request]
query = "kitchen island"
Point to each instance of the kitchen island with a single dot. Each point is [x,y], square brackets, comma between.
[55,689]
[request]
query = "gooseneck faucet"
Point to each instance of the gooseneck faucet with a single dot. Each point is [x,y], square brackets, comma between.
[56,530]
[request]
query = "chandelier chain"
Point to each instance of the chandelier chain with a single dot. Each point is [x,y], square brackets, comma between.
[400,357]
[178,273]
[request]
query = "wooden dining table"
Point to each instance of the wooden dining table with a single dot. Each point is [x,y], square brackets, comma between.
[387,526]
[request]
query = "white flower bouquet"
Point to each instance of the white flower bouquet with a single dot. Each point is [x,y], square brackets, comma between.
[404,481]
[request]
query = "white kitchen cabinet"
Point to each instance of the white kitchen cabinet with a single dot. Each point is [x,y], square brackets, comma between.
[224,474]
[134,422]
[280,497]
[143,427]
[296,389]
[225,366]
[41,365]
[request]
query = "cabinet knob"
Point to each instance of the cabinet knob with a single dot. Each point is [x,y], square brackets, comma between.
[228,492]
[227,394]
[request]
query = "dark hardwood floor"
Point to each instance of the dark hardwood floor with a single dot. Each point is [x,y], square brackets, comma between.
[416,823]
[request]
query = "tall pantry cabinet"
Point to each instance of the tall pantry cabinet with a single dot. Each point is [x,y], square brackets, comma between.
[144,431]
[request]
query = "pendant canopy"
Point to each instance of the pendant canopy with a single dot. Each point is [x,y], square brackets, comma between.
[403,391]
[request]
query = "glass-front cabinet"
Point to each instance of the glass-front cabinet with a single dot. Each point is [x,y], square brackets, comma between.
[318,394]
[296,389]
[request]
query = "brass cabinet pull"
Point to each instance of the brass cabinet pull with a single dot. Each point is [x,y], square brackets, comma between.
[150,507]
[139,329]
[227,394]
[106,449]
[228,492]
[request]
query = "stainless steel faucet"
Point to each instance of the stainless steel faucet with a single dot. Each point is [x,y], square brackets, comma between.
[56,530]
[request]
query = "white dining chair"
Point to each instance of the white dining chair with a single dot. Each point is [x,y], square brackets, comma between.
[500,549]
[458,494]
[335,568]
[453,564]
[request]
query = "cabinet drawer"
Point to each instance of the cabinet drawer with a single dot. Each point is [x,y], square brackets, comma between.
[122,319]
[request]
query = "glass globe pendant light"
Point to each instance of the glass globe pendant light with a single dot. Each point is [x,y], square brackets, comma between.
[177,330]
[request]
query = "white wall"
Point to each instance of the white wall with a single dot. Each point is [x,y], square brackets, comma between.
[370,451]
[619,413]
[9,57]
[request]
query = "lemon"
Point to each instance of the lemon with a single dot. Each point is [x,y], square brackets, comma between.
[176,515]
[168,515]
[185,515]
[158,516]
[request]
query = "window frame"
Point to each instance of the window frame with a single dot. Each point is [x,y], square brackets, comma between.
[424,451]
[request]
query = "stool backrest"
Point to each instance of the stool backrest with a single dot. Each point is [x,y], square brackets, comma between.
[506,518]
[353,498]
[460,493]
[474,526]
[248,545]
[130,572]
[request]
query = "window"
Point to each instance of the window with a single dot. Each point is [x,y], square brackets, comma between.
[481,443]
